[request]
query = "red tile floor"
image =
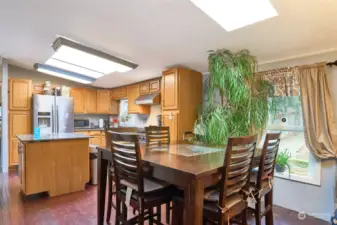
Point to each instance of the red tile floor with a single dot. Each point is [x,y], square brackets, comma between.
[80,208]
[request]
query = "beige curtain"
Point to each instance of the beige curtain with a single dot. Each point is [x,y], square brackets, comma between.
[319,122]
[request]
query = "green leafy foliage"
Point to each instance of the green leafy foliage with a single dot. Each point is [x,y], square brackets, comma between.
[283,158]
[244,106]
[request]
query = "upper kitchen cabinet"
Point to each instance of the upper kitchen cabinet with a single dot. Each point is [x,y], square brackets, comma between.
[20,94]
[170,89]
[148,87]
[133,93]
[114,107]
[118,93]
[78,95]
[90,101]
[103,101]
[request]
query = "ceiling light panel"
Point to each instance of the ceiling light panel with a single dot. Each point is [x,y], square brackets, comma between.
[85,57]
[234,14]
[74,68]
[57,72]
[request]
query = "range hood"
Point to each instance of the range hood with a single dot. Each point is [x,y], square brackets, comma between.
[149,99]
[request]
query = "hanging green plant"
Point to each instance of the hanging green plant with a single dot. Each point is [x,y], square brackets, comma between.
[244,105]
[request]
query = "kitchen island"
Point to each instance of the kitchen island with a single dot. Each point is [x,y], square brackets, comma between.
[56,163]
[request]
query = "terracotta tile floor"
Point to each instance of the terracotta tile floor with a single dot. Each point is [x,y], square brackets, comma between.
[80,208]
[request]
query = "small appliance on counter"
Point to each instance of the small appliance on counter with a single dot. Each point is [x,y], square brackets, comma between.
[101,123]
[81,123]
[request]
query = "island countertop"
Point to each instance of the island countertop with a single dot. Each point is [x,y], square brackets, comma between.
[51,137]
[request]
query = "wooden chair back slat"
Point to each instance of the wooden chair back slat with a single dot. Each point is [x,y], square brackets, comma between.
[237,166]
[157,135]
[108,134]
[268,158]
[127,161]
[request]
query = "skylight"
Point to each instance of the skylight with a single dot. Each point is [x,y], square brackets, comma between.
[234,14]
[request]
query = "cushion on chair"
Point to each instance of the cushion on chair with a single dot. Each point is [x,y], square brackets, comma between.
[150,185]
[231,201]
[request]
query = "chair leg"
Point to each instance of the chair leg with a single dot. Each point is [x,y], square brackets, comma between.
[158,208]
[258,211]
[168,206]
[118,211]
[244,216]
[124,212]
[109,197]
[269,201]
[141,214]
[177,213]
[151,216]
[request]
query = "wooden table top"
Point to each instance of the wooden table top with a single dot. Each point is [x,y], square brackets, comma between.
[193,159]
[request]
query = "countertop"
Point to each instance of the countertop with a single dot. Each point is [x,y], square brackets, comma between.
[51,137]
[89,129]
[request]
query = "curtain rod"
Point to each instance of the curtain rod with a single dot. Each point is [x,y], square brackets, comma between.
[332,63]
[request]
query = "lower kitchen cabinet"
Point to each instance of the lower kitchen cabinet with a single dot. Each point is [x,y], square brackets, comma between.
[19,122]
[170,119]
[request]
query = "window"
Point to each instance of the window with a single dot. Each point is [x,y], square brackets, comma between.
[304,167]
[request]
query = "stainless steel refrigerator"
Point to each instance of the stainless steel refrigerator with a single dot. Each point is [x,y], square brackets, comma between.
[53,114]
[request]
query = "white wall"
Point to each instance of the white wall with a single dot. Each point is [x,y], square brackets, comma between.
[314,200]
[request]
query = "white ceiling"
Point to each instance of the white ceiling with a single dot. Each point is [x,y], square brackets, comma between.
[158,34]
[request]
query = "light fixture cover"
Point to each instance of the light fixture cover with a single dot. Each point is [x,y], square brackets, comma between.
[65,74]
[234,14]
[95,63]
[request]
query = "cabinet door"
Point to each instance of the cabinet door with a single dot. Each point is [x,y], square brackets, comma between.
[118,93]
[19,123]
[154,86]
[144,88]
[95,140]
[114,107]
[103,101]
[170,90]
[103,143]
[90,101]
[133,93]
[170,119]
[20,94]
[78,95]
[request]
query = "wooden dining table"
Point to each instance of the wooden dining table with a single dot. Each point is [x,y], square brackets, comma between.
[190,166]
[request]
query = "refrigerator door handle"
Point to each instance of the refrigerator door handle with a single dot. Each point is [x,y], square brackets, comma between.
[57,119]
[52,119]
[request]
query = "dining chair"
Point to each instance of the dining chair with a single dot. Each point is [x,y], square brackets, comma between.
[228,198]
[262,180]
[158,136]
[132,187]
[111,184]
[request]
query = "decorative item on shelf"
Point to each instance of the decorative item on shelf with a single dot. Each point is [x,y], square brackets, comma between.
[115,122]
[243,107]
[65,91]
[47,90]
[282,161]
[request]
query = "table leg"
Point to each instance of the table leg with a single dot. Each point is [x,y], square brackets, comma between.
[101,187]
[194,203]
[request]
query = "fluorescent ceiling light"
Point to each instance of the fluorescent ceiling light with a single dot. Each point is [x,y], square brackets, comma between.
[234,14]
[70,67]
[57,72]
[94,62]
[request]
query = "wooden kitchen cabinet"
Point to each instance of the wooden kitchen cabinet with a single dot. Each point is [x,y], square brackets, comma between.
[20,94]
[114,107]
[144,88]
[181,97]
[90,101]
[133,94]
[170,90]
[78,95]
[103,101]
[118,93]
[170,119]
[95,140]
[19,122]
[154,86]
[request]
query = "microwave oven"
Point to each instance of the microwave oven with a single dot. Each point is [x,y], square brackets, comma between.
[81,123]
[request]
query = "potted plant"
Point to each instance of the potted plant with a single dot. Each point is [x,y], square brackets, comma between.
[237,102]
[282,161]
